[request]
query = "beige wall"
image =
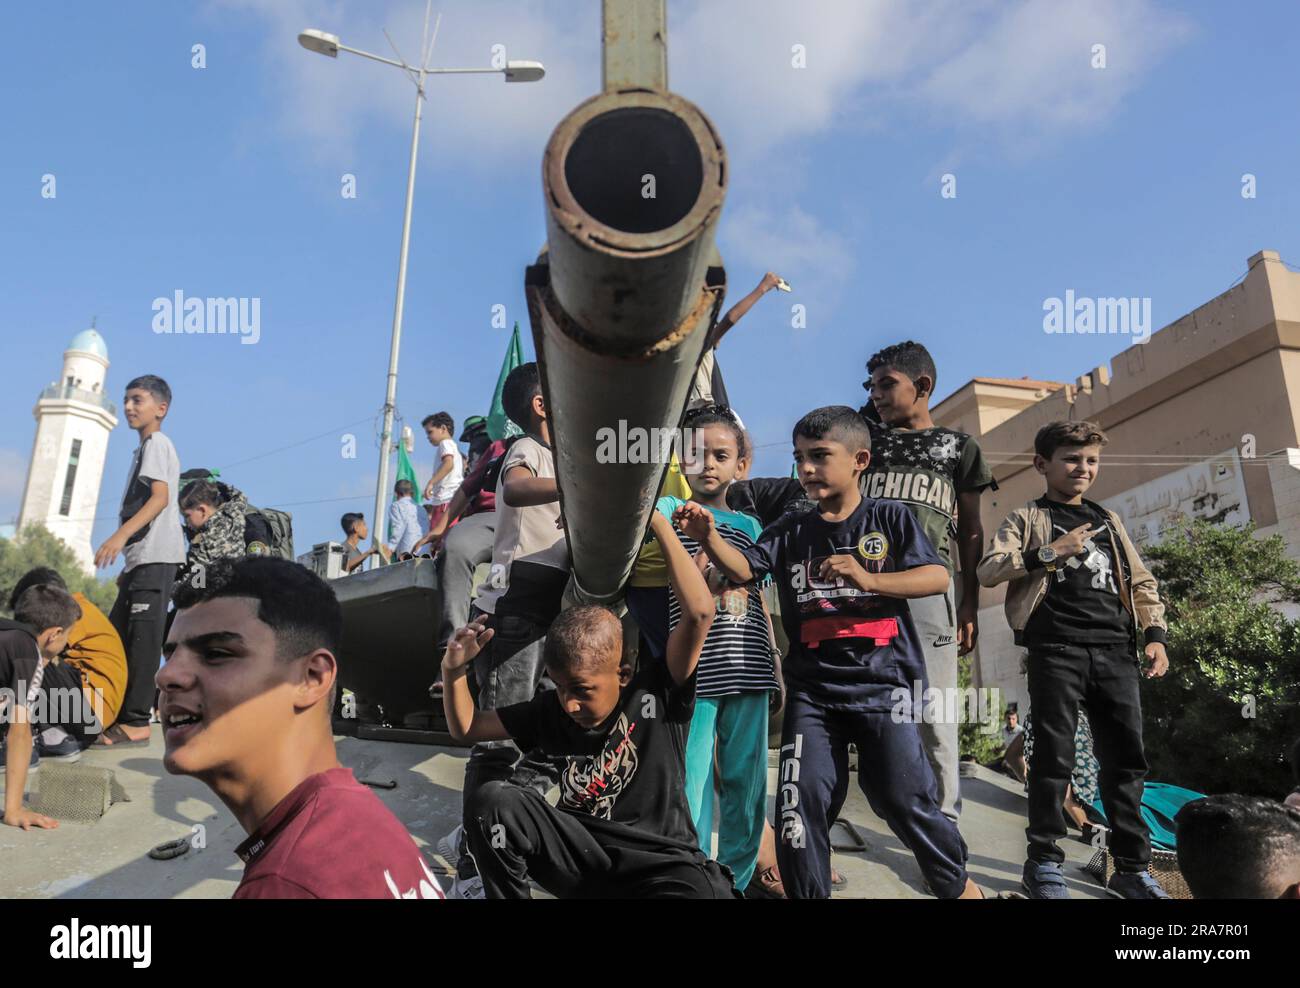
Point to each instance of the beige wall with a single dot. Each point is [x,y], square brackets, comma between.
[1284,477]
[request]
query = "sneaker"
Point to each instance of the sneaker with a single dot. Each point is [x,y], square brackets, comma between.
[466,888]
[1139,885]
[765,884]
[465,883]
[66,751]
[1044,880]
[452,846]
[32,766]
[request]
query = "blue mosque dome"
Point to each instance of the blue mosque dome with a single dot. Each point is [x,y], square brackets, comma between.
[90,341]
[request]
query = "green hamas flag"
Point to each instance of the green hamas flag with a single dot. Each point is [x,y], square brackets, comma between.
[499,426]
[405,471]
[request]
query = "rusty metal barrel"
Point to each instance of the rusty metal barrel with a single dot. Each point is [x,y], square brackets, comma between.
[621,303]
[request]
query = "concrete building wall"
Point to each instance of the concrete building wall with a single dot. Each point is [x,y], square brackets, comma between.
[1284,479]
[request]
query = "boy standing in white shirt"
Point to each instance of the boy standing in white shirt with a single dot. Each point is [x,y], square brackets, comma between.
[151,541]
[450,469]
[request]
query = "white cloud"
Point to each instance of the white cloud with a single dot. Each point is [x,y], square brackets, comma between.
[1008,74]
[1033,67]
[1022,66]
[815,260]
[329,103]
[735,58]
[990,75]
[875,64]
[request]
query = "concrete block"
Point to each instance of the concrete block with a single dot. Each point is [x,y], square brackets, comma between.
[76,793]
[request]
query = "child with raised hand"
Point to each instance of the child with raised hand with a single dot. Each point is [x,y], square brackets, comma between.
[622,827]
[736,671]
[845,566]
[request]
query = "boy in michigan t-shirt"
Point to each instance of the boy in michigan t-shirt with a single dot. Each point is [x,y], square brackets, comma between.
[939,474]
[843,570]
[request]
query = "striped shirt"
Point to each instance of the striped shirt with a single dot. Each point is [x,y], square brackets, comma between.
[737,654]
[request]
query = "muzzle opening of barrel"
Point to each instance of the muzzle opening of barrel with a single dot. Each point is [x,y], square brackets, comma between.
[635,169]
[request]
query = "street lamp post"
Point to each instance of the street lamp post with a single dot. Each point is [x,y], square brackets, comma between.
[514,71]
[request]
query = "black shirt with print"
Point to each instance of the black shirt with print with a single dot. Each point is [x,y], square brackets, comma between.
[1082,605]
[849,649]
[625,778]
[926,469]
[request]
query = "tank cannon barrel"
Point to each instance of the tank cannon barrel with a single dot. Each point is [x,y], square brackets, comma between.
[621,303]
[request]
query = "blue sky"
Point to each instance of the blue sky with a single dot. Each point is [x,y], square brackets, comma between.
[225,181]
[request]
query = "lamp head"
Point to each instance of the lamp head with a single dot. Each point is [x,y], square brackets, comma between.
[320,41]
[518,70]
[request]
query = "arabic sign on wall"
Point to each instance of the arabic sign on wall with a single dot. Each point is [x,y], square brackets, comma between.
[1211,489]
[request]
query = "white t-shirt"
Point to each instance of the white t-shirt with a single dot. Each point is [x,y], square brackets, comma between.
[164,541]
[527,536]
[447,486]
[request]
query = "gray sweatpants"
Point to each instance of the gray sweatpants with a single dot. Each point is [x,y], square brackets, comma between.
[467,544]
[936,624]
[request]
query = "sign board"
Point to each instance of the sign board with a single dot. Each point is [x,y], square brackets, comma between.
[1211,489]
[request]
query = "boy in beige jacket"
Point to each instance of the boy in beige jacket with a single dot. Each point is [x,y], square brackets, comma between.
[1078,597]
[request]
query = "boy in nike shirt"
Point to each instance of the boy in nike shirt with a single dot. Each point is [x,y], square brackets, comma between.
[939,474]
[843,569]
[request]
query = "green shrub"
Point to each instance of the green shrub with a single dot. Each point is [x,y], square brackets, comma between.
[972,740]
[1228,710]
[36,546]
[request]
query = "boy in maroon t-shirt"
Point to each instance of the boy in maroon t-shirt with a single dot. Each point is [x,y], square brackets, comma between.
[245,700]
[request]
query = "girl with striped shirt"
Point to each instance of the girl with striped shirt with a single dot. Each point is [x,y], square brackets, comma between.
[736,671]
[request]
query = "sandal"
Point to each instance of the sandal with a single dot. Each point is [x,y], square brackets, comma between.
[115,737]
[766,884]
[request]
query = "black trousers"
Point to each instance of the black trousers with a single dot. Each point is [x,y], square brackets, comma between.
[140,616]
[514,834]
[1106,678]
[72,711]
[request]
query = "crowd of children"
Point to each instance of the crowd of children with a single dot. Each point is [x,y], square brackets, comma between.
[654,729]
